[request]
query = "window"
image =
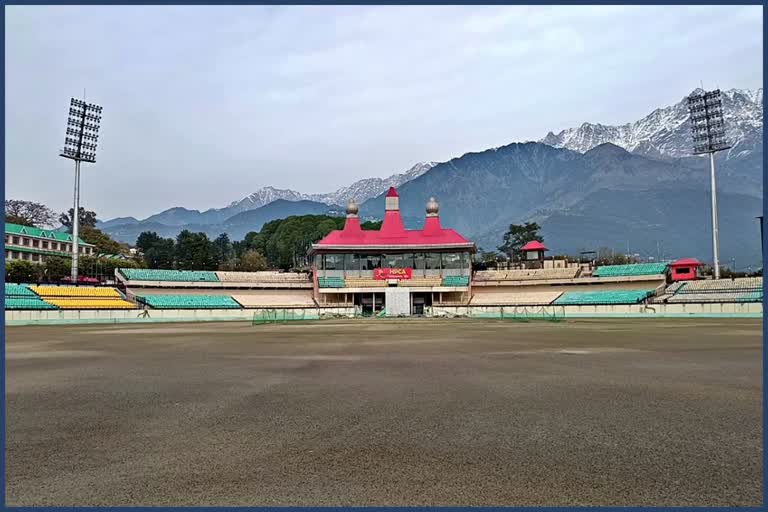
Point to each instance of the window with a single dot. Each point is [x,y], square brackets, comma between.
[45,244]
[35,243]
[683,270]
[406,260]
[432,261]
[451,260]
[334,262]
[351,262]
[371,261]
[35,257]
[419,260]
[16,240]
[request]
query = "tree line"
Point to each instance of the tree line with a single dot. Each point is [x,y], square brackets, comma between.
[280,244]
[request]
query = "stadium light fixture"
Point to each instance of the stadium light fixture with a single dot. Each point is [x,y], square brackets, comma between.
[708,133]
[80,145]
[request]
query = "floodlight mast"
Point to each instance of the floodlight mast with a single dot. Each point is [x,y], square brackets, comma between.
[708,132]
[76,148]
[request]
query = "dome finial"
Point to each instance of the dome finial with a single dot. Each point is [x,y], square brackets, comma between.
[432,207]
[352,207]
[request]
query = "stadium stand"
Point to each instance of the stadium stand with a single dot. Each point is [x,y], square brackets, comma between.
[456,281]
[501,296]
[143,274]
[263,277]
[189,301]
[27,303]
[748,289]
[352,282]
[82,297]
[75,291]
[276,298]
[726,285]
[526,275]
[423,282]
[330,282]
[682,298]
[90,303]
[603,297]
[18,290]
[633,269]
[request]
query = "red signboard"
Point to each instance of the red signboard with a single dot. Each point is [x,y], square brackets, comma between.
[392,273]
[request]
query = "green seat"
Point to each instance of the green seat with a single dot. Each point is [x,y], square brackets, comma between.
[27,303]
[331,282]
[603,297]
[145,274]
[634,269]
[456,281]
[189,301]
[18,290]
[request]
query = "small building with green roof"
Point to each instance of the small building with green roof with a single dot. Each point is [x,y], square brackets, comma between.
[36,245]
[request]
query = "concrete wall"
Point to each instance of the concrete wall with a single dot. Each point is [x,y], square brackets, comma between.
[709,310]
[53,317]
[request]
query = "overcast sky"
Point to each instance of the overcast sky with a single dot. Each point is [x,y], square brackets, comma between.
[203,105]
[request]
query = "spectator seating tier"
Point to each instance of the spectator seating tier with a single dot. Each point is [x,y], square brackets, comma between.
[456,281]
[276,298]
[75,291]
[682,298]
[712,285]
[18,290]
[263,277]
[603,297]
[91,303]
[421,282]
[526,274]
[490,296]
[189,301]
[630,270]
[330,282]
[143,274]
[27,303]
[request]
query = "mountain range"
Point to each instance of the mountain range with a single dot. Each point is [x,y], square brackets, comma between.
[595,185]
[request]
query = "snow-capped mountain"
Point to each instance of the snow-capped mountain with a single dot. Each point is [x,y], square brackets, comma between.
[360,190]
[665,132]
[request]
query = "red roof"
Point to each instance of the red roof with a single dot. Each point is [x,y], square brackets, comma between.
[393,233]
[687,262]
[534,245]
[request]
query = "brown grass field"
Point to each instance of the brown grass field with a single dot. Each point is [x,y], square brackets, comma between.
[386,412]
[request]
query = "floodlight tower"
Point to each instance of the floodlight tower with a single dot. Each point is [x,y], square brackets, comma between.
[80,145]
[708,131]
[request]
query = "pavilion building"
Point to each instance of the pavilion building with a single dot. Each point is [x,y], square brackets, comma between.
[397,270]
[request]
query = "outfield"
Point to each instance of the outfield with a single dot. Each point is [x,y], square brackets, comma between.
[386,412]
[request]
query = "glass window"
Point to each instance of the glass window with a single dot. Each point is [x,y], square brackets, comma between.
[35,243]
[16,240]
[451,260]
[334,262]
[351,262]
[371,261]
[432,261]
[419,261]
[45,244]
[406,260]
